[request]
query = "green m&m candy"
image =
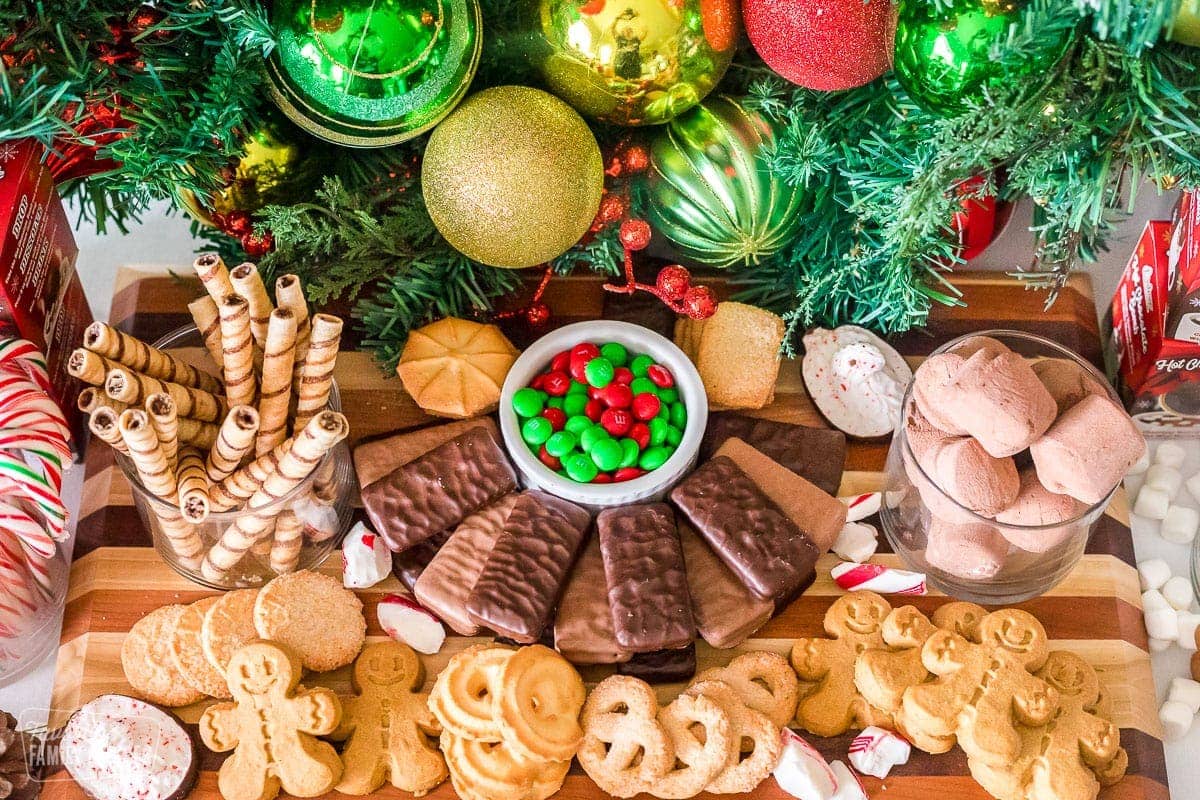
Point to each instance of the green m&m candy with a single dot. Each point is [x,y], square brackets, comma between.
[629,453]
[669,394]
[554,402]
[658,432]
[599,372]
[527,402]
[678,415]
[574,404]
[615,352]
[643,386]
[606,454]
[591,436]
[561,443]
[577,424]
[580,468]
[577,387]
[639,365]
[654,457]
[536,430]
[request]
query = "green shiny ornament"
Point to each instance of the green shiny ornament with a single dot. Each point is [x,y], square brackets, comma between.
[942,58]
[634,62]
[369,73]
[711,192]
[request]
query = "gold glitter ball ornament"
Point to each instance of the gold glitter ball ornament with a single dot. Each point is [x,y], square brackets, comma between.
[513,177]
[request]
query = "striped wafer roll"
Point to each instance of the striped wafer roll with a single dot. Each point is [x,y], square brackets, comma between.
[208,322]
[89,367]
[213,274]
[141,357]
[234,440]
[193,485]
[322,432]
[201,434]
[248,283]
[289,293]
[237,351]
[286,543]
[103,424]
[236,489]
[133,388]
[276,391]
[92,397]
[317,374]
[165,419]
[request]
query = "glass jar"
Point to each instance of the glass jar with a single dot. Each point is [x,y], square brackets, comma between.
[30,609]
[1032,558]
[318,511]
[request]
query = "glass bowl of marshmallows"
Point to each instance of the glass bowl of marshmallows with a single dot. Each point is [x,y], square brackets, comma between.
[1010,449]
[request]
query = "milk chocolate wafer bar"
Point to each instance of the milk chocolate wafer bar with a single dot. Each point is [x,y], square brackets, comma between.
[725,611]
[583,622]
[816,454]
[438,490]
[541,538]
[757,541]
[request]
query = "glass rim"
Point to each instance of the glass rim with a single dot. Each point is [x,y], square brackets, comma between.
[1004,333]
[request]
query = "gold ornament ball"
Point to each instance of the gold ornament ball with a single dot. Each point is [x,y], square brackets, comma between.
[513,177]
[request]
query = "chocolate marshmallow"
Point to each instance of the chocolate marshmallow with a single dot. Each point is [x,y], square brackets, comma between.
[975,552]
[446,582]
[922,434]
[521,582]
[973,344]
[436,491]
[963,470]
[998,400]
[1087,450]
[726,613]
[647,583]
[930,383]
[376,458]
[815,454]
[583,623]
[756,540]
[820,515]
[1038,506]
[1066,381]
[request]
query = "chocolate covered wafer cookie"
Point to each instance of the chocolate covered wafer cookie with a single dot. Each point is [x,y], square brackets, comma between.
[647,584]
[725,612]
[524,575]
[815,454]
[662,666]
[409,564]
[757,541]
[438,490]
[583,623]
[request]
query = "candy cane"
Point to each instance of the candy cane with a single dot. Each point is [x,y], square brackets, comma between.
[877,578]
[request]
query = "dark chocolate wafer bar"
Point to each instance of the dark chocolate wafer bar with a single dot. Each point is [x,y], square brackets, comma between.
[438,490]
[662,666]
[647,584]
[524,576]
[816,454]
[757,541]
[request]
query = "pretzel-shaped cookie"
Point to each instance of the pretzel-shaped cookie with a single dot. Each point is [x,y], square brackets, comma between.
[764,681]
[703,756]
[743,771]
[625,749]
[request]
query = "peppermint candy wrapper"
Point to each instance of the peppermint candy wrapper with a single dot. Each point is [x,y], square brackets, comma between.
[877,578]
[803,772]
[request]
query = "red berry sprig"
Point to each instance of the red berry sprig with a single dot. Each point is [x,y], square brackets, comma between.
[674,283]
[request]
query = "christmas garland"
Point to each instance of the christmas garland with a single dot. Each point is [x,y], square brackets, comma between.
[1085,100]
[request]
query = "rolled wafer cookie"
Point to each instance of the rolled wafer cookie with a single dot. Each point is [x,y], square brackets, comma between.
[237,350]
[248,283]
[237,488]
[141,357]
[102,422]
[287,542]
[165,420]
[92,397]
[193,485]
[317,373]
[201,434]
[211,271]
[131,387]
[308,447]
[278,357]
[89,367]
[208,323]
[234,440]
[289,293]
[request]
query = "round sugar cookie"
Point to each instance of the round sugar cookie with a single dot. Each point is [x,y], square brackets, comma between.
[146,659]
[228,626]
[315,616]
[188,653]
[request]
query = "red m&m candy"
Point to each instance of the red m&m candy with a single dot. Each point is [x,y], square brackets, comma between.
[594,410]
[627,474]
[557,417]
[646,406]
[561,361]
[623,375]
[661,376]
[550,461]
[616,421]
[555,383]
[640,433]
[617,395]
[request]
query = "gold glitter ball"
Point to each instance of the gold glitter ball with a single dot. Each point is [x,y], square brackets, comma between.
[513,177]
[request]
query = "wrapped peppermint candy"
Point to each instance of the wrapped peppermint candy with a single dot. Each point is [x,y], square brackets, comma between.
[366,560]
[802,772]
[861,506]
[875,751]
[877,578]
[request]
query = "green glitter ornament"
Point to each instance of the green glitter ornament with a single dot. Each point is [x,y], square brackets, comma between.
[370,73]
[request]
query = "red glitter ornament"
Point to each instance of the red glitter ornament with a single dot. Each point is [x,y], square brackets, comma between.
[826,45]
[699,302]
[236,223]
[258,246]
[612,208]
[673,281]
[635,234]
[636,158]
[537,314]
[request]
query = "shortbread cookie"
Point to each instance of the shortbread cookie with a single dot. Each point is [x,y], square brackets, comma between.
[538,704]
[625,749]
[188,652]
[146,659]
[763,681]
[492,771]
[228,626]
[464,695]
[748,766]
[314,615]
[749,337]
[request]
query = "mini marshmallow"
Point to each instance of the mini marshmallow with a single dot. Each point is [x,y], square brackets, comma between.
[1170,454]
[1179,524]
[1088,450]
[857,542]
[1153,573]
[975,552]
[1152,503]
[849,787]
[1163,623]
[1188,625]
[1193,486]
[1178,593]
[1164,477]
[1186,691]
[1176,719]
[802,772]
[875,751]
[1152,599]
[1160,645]
[1141,465]
[366,559]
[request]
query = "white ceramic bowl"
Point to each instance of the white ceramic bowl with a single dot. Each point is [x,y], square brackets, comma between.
[651,486]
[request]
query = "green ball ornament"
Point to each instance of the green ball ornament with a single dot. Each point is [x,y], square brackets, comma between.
[634,62]
[370,73]
[1185,28]
[711,192]
[943,59]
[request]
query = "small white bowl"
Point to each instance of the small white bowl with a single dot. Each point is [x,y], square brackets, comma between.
[649,487]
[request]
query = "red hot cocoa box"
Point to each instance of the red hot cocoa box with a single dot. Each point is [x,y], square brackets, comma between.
[41,298]
[1156,324]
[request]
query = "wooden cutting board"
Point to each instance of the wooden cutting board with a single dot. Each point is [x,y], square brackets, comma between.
[1096,611]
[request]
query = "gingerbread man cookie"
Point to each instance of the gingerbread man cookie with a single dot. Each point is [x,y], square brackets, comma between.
[855,624]
[388,724]
[980,691]
[271,726]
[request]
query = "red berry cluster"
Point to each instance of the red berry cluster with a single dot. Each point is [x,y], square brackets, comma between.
[674,284]
[240,225]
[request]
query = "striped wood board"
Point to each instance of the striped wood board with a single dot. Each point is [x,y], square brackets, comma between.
[1096,612]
